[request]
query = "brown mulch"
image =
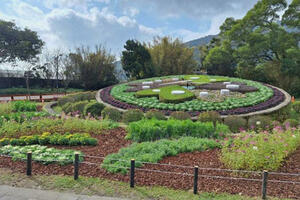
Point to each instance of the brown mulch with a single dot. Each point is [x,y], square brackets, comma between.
[113,140]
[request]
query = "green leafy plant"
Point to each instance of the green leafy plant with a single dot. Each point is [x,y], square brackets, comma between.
[54,139]
[180,115]
[111,114]
[296,106]
[41,154]
[21,106]
[5,108]
[79,106]
[155,114]
[291,123]
[94,109]
[153,129]
[263,151]
[72,98]
[154,152]
[236,123]
[132,116]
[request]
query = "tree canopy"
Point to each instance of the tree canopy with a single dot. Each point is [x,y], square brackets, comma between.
[18,44]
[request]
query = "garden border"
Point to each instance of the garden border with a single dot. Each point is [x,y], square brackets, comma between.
[287,100]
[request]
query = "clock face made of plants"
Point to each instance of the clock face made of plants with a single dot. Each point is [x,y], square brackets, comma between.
[194,94]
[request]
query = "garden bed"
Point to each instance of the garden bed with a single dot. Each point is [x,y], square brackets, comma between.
[114,140]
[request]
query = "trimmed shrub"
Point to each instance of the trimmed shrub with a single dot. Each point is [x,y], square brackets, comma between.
[82,96]
[111,114]
[155,151]
[235,123]
[260,122]
[153,129]
[180,115]
[94,108]
[132,116]
[210,116]
[79,106]
[296,106]
[291,123]
[155,114]
[282,114]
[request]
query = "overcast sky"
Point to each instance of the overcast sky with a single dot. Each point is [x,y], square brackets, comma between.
[70,23]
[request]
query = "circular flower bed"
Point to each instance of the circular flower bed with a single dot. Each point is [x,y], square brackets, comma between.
[254,96]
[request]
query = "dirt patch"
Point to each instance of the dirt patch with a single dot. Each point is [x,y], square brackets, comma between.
[113,140]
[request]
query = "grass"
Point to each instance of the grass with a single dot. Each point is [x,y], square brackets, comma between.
[165,94]
[57,109]
[103,187]
[18,90]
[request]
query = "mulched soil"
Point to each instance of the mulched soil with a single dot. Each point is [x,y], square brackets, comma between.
[113,140]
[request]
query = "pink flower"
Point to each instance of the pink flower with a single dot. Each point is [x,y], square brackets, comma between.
[252,142]
[267,157]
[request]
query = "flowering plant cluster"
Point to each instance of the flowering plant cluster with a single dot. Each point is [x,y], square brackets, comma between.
[262,151]
[54,139]
[41,154]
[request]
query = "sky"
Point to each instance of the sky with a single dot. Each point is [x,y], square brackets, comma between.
[67,24]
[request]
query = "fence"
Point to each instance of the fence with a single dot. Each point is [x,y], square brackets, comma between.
[264,180]
[41,97]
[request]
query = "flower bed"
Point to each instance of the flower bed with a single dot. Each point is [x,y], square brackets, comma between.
[263,151]
[41,154]
[267,97]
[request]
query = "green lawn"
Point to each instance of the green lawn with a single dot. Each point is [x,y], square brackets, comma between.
[165,94]
[103,187]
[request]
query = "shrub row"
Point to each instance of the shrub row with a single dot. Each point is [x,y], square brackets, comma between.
[154,152]
[20,117]
[54,139]
[263,151]
[41,154]
[82,96]
[150,130]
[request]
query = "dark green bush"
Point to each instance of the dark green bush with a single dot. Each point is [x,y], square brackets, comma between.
[291,123]
[210,116]
[153,129]
[132,116]
[111,114]
[180,115]
[260,122]
[94,108]
[296,106]
[79,106]
[235,123]
[155,114]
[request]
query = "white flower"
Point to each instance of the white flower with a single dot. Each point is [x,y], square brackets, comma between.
[258,123]
[255,147]
[294,136]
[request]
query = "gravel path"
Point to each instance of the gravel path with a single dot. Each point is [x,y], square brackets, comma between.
[13,193]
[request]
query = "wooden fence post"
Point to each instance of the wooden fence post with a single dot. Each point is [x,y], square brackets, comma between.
[29,164]
[132,166]
[264,184]
[76,166]
[196,180]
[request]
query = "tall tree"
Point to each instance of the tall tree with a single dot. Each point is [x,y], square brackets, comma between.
[136,60]
[171,57]
[18,44]
[96,68]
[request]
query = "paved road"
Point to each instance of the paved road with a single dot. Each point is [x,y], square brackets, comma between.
[13,193]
